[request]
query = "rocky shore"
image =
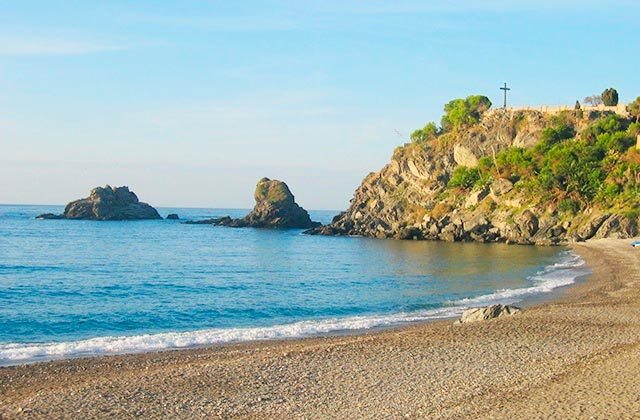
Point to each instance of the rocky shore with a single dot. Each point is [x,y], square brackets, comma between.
[411,198]
[107,203]
[575,357]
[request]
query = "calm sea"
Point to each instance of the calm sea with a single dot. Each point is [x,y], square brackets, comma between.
[75,288]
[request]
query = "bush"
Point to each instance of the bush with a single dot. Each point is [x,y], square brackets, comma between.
[634,109]
[608,125]
[553,135]
[464,177]
[515,163]
[461,112]
[610,97]
[569,206]
[428,132]
[575,167]
[619,141]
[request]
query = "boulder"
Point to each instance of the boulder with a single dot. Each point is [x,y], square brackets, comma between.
[173,216]
[107,203]
[275,208]
[488,312]
[501,186]
[475,197]
[464,157]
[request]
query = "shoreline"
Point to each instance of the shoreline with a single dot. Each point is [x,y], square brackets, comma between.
[430,368]
[105,346]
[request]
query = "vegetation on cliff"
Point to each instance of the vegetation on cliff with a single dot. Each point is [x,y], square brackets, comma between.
[600,167]
[501,175]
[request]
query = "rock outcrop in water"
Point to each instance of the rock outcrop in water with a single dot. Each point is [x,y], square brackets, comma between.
[412,197]
[107,203]
[275,208]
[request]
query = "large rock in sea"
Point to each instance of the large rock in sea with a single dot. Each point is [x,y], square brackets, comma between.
[275,208]
[489,312]
[108,203]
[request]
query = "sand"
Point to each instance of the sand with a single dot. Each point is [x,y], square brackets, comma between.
[577,356]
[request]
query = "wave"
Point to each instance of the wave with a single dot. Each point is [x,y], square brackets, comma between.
[562,273]
[559,274]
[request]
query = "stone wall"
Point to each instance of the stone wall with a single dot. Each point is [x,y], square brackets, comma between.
[620,109]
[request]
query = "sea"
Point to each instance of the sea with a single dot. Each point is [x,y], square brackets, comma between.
[72,288]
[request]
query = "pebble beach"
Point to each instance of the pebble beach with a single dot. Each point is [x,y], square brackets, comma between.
[574,356]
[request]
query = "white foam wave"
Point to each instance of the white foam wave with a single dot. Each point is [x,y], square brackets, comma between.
[559,274]
[562,273]
[14,353]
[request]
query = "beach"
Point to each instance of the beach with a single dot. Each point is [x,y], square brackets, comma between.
[574,356]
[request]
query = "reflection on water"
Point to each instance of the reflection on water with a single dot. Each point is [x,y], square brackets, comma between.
[68,280]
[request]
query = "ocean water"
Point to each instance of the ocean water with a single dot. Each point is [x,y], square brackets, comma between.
[77,288]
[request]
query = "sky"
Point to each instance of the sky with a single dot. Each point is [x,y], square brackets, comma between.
[189,102]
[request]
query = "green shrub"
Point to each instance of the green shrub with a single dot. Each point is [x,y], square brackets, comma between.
[609,192]
[515,163]
[553,135]
[462,112]
[619,141]
[569,206]
[464,177]
[426,133]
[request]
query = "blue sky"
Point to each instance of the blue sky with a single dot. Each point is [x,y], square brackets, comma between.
[191,102]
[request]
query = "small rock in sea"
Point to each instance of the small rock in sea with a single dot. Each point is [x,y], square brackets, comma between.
[107,203]
[488,312]
[275,208]
[173,216]
[49,216]
[214,221]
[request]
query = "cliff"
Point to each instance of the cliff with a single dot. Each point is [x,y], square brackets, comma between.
[507,177]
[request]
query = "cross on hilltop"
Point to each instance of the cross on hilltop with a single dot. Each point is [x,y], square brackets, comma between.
[505,88]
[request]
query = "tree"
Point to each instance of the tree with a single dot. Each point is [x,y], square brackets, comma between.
[610,97]
[428,132]
[594,100]
[460,112]
[634,109]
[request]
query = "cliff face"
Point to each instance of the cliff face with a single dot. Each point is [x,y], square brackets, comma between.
[409,198]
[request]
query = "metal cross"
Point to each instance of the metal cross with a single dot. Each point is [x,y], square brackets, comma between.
[505,88]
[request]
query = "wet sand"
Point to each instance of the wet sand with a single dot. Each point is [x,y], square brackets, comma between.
[576,356]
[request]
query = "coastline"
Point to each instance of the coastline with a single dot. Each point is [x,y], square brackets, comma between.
[426,369]
[544,284]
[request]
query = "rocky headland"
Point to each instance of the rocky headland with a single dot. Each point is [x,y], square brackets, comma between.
[524,177]
[275,208]
[107,203]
